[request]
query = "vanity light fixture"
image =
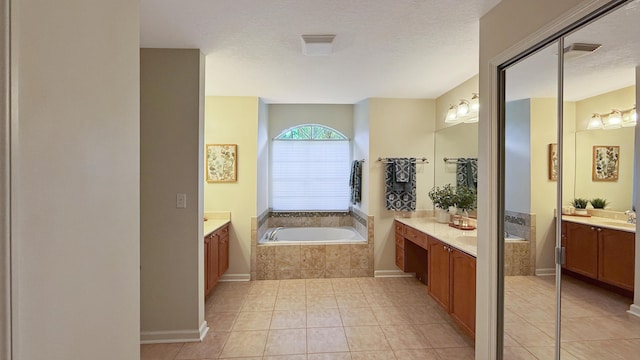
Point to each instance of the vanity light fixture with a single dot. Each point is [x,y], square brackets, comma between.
[465,112]
[630,118]
[463,108]
[452,115]
[595,122]
[475,103]
[614,120]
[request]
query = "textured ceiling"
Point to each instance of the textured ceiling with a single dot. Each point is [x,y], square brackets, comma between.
[609,68]
[383,48]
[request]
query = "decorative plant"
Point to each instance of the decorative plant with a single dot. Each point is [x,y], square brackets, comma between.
[599,203]
[443,197]
[466,198]
[580,203]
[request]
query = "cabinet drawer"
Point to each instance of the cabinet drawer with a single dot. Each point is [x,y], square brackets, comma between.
[416,237]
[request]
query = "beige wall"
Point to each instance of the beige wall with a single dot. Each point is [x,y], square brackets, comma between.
[397,128]
[453,97]
[263,157]
[171,153]
[234,120]
[544,131]
[509,28]
[284,116]
[618,193]
[75,180]
[361,150]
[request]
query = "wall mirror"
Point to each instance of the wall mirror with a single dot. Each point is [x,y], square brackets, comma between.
[563,311]
[452,143]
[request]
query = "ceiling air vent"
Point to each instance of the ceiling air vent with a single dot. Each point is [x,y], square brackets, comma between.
[577,50]
[317,45]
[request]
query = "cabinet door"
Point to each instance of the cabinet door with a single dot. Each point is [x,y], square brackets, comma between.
[223,251]
[400,255]
[582,249]
[207,264]
[438,272]
[616,257]
[213,260]
[463,290]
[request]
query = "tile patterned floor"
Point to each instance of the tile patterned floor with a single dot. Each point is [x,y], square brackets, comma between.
[595,324]
[369,319]
[322,319]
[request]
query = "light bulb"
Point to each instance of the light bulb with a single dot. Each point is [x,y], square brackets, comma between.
[463,108]
[630,119]
[475,102]
[595,122]
[451,115]
[614,120]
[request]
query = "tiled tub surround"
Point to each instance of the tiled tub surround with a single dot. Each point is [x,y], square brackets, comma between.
[308,261]
[520,255]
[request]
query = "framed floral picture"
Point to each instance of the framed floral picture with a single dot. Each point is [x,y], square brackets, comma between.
[553,162]
[222,163]
[606,162]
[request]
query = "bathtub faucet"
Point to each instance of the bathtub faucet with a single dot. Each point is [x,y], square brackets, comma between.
[272,236]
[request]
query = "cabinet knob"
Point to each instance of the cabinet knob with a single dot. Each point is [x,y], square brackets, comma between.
[592,228]
[599,229]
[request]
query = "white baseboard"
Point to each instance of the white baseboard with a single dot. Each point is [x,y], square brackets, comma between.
[235,277]
[392,273]
[546,272]
[634,310]
[176,336]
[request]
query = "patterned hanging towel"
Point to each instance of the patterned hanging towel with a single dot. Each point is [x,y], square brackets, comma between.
[467,173]
[400,184]
[355,181]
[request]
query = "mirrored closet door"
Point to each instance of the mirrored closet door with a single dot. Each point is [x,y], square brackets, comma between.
[568,252]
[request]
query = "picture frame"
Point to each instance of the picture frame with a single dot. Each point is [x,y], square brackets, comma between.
[222,163]
[553,162]
[606,163]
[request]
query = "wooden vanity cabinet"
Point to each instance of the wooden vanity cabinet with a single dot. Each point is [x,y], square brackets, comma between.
[452,283]
[603,254]
[223,250]
[439,277]
[616,257]
[216,257]
[400,254]
[582,250]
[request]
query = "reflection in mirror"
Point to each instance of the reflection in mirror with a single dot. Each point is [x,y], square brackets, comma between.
[452,143]
[529,200]
[598,274]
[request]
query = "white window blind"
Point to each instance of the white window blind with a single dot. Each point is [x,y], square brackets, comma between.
[310,175]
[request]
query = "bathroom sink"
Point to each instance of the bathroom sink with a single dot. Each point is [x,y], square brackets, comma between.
[618,224]
[468,240]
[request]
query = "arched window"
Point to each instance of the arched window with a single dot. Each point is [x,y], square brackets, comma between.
[310,167]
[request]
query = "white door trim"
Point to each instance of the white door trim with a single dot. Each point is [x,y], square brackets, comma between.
[5,209]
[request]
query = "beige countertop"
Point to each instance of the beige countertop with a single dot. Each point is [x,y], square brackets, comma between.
[215,220]
[601,222]
[464,240]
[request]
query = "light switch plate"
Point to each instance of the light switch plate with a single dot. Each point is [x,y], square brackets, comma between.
[181,201]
